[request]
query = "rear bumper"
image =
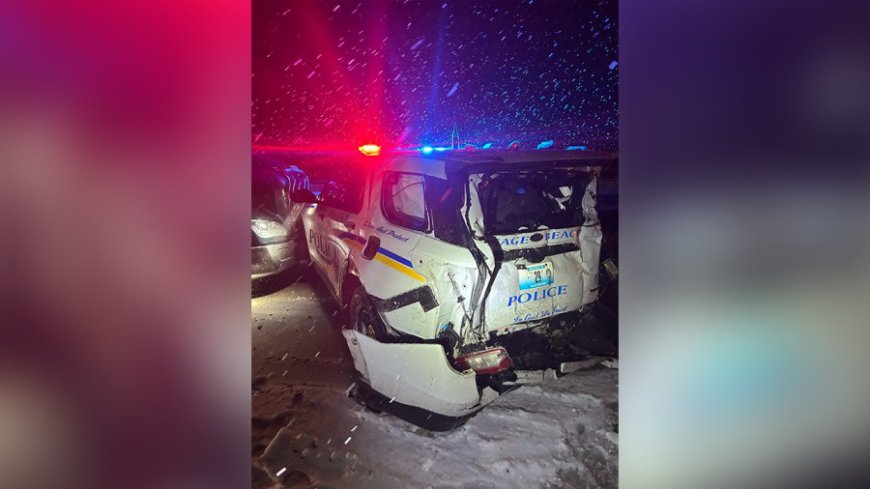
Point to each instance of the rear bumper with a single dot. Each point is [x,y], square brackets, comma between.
[564,319]
[271,259]
[569,336]
[417,374]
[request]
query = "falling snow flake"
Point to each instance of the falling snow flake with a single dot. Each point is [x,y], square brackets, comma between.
[543,68]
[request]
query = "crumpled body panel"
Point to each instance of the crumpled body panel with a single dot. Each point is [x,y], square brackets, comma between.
[415,374]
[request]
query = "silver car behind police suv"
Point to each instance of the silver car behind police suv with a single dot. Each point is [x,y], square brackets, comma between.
[278,193]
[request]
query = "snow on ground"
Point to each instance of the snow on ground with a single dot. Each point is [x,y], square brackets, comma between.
[308,433]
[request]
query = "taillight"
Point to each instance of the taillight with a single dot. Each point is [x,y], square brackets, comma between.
[489,361]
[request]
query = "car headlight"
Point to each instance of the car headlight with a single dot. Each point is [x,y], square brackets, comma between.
[268,229]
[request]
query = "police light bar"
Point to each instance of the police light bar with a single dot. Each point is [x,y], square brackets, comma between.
[370,149]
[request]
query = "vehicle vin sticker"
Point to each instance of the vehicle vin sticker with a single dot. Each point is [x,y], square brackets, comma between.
[534,276]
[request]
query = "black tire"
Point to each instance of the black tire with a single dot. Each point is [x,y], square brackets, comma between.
[362,317]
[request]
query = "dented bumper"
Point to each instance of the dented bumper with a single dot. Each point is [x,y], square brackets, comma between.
[417,375]
[271,259]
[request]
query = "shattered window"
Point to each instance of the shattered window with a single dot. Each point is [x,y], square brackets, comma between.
[404,200]
[542,200]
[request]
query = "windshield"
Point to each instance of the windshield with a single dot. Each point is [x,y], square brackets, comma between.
[514,202]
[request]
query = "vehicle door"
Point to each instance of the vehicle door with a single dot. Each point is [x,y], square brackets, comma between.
[334,219]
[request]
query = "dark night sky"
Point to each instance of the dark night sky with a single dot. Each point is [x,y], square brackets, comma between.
[338,73]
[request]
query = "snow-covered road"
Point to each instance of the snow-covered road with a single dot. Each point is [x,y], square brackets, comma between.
[307,432]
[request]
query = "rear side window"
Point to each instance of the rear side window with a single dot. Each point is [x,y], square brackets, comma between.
[445,199]
[403,200]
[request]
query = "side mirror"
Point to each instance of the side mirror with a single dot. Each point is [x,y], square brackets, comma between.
[303,196]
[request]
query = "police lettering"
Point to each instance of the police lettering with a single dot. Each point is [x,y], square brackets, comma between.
[326,252]
[537,295]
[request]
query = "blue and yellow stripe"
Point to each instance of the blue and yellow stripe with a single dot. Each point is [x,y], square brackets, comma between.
[385,256]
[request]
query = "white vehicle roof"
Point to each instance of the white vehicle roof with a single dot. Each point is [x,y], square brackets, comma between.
[438,163]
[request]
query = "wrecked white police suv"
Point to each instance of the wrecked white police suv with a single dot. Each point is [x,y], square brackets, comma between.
[435,256]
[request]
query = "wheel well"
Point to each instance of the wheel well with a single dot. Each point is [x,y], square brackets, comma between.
[348,285]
